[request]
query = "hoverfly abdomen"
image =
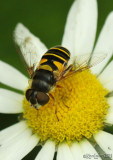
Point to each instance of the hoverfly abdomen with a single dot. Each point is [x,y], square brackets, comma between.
[56,58]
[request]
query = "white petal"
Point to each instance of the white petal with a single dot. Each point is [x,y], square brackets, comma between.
[81,26]
[9,133]
[105,141]
[27,147]
[9,150]
[107,75]
[10,102]
[64,152]
[47,151]
[110,102]
[109,116]
[11,94]
[12,77]
[88,150]
[76,151]
[109,85]
[105,43]
[31,47]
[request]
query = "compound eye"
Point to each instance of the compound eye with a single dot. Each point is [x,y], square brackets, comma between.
[33,100]
[28,94]
[31,96]
[42,98]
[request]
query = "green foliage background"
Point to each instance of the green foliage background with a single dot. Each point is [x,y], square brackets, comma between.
[46,19]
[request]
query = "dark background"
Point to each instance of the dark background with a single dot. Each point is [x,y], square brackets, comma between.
[46,19]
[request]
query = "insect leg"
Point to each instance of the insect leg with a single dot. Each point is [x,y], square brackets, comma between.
[70,67]
[51,96]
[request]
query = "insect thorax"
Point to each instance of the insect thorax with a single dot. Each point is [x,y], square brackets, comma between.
[43,80]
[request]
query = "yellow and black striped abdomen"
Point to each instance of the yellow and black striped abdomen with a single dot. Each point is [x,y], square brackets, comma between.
[55,58]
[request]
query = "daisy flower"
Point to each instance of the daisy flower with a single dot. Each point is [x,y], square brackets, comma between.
[84,104]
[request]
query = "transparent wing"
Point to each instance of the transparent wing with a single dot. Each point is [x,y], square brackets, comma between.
[80,63]
[30,47]
[87,61]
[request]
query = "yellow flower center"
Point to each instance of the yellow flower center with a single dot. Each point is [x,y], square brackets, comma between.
[77,110]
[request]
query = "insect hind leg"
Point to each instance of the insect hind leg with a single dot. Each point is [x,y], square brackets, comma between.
[69,68]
